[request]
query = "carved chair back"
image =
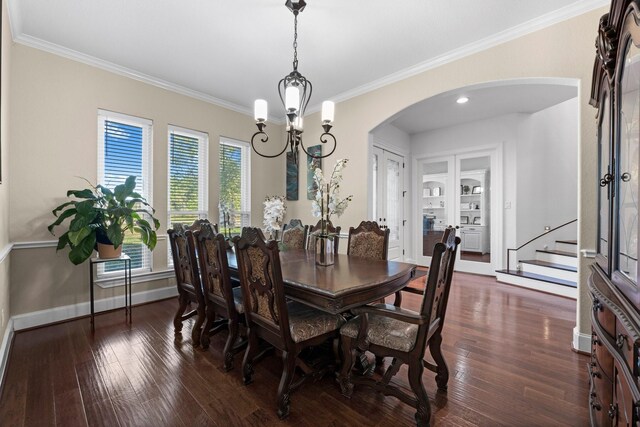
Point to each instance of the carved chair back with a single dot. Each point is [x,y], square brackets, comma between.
[438,285]
[214,267]
[331,229]
[294,234]
[262,286]
[184,255]
[368,240]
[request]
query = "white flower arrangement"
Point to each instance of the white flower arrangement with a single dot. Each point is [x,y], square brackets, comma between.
[274,210]
[327,201]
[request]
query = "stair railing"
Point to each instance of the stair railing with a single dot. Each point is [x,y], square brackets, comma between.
[546,232]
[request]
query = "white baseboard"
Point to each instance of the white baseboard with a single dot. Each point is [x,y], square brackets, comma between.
[581,342]
[57,314]
[5,348]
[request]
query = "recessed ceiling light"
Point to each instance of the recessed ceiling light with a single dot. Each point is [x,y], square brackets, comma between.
[462,100]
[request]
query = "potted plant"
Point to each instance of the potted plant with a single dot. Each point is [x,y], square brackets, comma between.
[100,217]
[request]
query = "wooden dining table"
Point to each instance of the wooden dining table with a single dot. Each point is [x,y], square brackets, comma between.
[350,282]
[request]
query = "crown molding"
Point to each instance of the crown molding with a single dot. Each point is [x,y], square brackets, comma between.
[64,52]
[537,24]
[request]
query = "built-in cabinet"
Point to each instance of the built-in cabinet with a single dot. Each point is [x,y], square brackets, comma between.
[614,370]
[474,215]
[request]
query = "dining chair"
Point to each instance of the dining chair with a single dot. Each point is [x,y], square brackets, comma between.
[221,298]
[311,243]
[368,240]
[294,234]
[404,335]
[288,326]
[186,269]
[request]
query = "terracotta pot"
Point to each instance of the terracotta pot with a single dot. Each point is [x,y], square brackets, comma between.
[107,251]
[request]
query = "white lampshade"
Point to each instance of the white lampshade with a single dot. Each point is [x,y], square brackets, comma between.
[328,111]
[260,110]
[292,98]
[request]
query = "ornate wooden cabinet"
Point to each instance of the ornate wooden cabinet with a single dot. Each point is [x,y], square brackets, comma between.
[614,369]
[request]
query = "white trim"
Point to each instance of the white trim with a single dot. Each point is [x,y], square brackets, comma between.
[116,279]
[35,244]
[83,58]
[5,251]
[58,314]
[588,253]
[581,342]
[5,348]
[537,285]
[523,29]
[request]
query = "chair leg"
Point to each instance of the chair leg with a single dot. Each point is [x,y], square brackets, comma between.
[197,326]
[228,348]
[204,334]
[177,319]
[348,360]
[423,408]
[284,389]
[442,375]
[391,371]
[249,354]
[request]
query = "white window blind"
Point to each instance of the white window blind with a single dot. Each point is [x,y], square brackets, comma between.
[235,184]
[124,149]
[188,177]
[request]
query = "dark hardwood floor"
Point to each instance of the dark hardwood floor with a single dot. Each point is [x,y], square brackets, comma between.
[509,353]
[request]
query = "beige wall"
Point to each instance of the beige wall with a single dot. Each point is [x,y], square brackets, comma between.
[562,50]
[4,187]
[54,123]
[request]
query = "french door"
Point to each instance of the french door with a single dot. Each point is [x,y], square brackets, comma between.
[456,190]
[388,198]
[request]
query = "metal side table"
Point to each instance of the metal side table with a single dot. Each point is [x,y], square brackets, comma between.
[124,258]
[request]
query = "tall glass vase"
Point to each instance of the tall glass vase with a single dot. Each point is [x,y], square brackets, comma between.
[324,250]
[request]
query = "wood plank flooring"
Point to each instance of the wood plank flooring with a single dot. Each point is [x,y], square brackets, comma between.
[508,349]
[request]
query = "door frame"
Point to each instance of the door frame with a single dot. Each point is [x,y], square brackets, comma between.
[496,152]
[407,239]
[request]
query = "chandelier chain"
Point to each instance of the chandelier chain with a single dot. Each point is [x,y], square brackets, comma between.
[295,41]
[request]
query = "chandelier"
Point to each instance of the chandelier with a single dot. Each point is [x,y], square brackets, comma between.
[295,92]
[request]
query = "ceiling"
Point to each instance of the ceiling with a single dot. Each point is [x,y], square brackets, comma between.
[485,101]
[232,52]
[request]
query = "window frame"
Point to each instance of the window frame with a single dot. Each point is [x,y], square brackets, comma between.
[147,174]
[245,176]
[203,176]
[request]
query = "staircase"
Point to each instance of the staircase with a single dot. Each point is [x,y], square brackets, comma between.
[553,270]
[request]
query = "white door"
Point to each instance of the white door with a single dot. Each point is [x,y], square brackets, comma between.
[456,190]
[388,198]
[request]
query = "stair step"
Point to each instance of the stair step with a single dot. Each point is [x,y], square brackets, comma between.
[550,269]
[568,242]
[550,265]
[538,282]
[557,257]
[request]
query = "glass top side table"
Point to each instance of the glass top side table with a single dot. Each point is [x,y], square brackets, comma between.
[124,258]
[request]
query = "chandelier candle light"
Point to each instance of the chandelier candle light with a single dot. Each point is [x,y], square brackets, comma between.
[295,93]
[327,202]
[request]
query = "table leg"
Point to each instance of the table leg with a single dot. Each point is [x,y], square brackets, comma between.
[91,292]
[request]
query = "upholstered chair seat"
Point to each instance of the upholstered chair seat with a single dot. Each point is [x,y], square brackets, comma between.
[294,235]
[307,322]
[385,331]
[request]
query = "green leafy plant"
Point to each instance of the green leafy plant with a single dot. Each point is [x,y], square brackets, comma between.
[101,215]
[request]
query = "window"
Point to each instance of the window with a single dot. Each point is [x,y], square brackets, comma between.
[188,177]
[124,149]
[235,185]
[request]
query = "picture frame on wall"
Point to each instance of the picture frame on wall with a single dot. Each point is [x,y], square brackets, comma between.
[312,164]
[292,177]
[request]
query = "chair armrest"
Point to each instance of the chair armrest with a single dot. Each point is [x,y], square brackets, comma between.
[394,312]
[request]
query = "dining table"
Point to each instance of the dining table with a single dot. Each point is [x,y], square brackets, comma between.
[349,283]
